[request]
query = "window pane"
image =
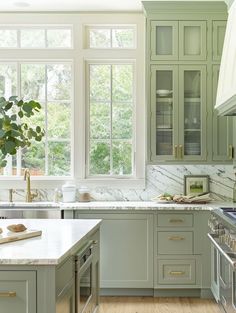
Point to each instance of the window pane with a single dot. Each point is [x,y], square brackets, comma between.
[122,120]
[8,38]
[33,81]
[59,162]
[100,120]
[122,158]
[100,82]
[122,82]
[99,158]
[8,79]
[100,38]
[59,82]
[59,38]
[33,157]
[123,38]
[32,38]
[59,120]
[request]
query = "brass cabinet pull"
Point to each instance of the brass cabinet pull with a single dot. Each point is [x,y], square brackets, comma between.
[230,152]
[176,273]
[181,151]
[177,220]
[9,294]
[176,238]
[176,151]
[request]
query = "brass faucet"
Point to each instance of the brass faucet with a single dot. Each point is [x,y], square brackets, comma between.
[29,195]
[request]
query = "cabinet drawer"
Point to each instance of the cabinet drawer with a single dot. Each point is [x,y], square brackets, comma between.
[175,220]
[179,272]
[64,274]
[174,242]
[18,291]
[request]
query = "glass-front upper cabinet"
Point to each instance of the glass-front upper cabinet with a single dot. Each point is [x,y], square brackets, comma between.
[164,131]
[183,40]
[219,28]
[192,112]
[164,40]
[222,131]
[192,38]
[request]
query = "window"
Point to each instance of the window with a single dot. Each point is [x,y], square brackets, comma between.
[51,85]
[111,107]
[104,37]
[35,37]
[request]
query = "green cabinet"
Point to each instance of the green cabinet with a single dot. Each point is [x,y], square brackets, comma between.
[223,148]
[126,249]
[178,40]
[184,45]
[178,112]
[18,291]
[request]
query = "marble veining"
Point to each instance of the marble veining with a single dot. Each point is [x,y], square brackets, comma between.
[60,239]
[159,179]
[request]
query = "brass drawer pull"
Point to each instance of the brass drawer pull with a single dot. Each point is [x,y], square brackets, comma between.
[230,152]
[181,151]
[176,238]
[176,273]
[9,294]
[176,152]
[177,220]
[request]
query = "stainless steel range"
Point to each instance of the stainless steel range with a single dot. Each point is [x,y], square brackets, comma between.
[222,224]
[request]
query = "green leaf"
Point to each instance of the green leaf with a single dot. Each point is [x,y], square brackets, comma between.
[8,106]
[9,146]
[13,117]
[20,114]
[12,98]
[2,133]
[20,103]
[38,129]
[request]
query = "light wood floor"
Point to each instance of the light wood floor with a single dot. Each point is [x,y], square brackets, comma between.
[156,305]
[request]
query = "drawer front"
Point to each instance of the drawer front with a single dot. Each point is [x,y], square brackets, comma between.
[18,291]
[174,242]
[64,274]
[175,220]
[177,272]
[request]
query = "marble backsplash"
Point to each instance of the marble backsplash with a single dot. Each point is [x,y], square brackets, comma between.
[159,179]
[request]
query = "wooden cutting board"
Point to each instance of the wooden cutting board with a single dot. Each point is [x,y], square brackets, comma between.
[8,236]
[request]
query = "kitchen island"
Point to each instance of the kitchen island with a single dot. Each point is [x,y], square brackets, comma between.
[38,274]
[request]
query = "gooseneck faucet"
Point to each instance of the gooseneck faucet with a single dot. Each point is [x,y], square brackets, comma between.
[29,195]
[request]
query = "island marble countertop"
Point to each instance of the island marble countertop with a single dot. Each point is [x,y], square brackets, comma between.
[59,239]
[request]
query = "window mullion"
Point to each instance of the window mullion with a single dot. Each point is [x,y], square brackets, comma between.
[111,114]
[19,152]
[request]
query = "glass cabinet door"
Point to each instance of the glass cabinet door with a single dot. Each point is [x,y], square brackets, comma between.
[164,40]
[192,112]
[164,112]
[192,38]
[222,132]
[219,28]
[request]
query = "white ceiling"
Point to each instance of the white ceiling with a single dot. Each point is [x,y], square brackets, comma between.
[72,5]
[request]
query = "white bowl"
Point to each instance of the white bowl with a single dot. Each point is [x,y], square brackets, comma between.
[163,92]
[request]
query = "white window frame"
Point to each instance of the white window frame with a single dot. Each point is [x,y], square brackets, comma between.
[79,55]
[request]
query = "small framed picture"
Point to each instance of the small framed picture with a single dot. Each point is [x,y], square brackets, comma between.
[196,184]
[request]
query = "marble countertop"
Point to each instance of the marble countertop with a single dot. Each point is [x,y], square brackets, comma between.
[59,240]
[142,205]
[114,205]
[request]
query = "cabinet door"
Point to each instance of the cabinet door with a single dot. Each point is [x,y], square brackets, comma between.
[192,40]
[66,300]
[164,40]
[219,28]
[18,291]
[192,112]
[126,249]
[215,284]
[164,112]
[222,128]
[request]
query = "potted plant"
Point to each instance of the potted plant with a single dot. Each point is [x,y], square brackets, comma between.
[15,132]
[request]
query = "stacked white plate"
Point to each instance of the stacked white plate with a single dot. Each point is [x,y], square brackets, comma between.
[192,148]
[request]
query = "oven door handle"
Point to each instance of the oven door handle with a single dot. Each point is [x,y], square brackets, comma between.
[218,247]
